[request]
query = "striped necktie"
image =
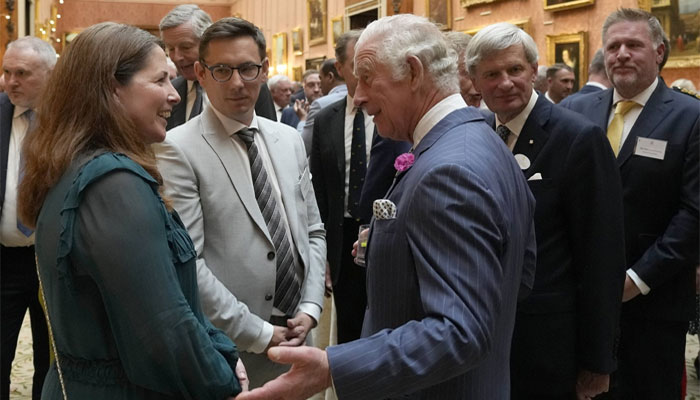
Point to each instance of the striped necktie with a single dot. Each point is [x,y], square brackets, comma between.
[287,283]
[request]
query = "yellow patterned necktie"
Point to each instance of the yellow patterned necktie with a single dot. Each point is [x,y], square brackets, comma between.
[617,123]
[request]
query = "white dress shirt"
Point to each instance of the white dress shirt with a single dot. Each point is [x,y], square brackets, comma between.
[232,126]
[435,115]
[350,112]
[10,236]
[516,124]
[629,119]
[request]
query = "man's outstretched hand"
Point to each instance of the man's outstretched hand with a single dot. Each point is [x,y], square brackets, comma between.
[310,374]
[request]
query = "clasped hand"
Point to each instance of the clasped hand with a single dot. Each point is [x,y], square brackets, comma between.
[294,334]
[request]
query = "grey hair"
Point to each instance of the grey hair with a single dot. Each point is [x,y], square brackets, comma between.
[46,52]
[399,36]
[272,82]
[184,13]
[458,41]
[656,32]
[347,38]
[499,37]
[597,66]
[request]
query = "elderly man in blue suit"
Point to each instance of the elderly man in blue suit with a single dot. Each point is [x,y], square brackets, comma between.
[653,130]
[449,246]
[564,335]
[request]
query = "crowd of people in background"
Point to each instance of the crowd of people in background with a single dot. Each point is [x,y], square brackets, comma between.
[174,216]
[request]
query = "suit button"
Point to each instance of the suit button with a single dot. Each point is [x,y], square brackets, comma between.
[268,297]
[271,255]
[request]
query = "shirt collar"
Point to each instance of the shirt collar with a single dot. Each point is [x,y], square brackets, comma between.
[350,105]
[338,88]
[435,115]
[516,124]
[641,98]
[19,110]
[232,126]
[596,84]
[546,96]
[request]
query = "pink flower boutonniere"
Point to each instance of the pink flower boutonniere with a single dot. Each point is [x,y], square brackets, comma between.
[404,162]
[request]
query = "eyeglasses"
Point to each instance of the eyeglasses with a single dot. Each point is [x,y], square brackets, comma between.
[223,72]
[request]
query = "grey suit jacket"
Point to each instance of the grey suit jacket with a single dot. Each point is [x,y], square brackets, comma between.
[235,274]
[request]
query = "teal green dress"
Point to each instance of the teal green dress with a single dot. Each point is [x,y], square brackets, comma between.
[119,276]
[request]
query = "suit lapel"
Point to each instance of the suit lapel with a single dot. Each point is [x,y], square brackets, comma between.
[533,136]
[179,112]
[280,152]
[6,111]
[337,136]
[220,142]
[655,110]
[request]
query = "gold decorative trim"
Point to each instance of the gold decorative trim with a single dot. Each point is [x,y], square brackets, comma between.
[523,24]
[469,3]
[566,5]
[683,62]
[581,38]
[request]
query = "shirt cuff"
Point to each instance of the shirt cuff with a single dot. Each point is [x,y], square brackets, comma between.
[300,126]
[643,287]
[263,339]
[313,310]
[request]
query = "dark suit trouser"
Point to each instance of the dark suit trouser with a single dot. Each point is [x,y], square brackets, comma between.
[349,292]
[19,290]
[651,360]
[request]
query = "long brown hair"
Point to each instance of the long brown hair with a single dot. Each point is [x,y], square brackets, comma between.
[78,112]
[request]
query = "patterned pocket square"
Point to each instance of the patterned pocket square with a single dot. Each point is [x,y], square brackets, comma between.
[384,209]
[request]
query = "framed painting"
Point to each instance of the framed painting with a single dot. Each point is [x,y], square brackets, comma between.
[439,12]
[297,74]
[316,11]
[559,5]
[314,63]
[570,49]
[681,22]
[297,41]
[523,24]
[336,28]
[279,52]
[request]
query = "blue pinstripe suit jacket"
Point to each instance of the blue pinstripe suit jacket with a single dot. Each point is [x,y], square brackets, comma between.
[443,277]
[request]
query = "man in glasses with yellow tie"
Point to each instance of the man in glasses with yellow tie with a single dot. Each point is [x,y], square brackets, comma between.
[654,133]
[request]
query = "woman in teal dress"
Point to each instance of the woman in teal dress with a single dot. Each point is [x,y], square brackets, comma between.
[116,264]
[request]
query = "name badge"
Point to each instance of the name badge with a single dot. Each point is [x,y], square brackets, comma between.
[652,148]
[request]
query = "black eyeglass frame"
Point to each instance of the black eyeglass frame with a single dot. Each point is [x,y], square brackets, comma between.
[232,69]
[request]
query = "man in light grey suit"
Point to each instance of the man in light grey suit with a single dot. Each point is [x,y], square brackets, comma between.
[242,187]
[445,268]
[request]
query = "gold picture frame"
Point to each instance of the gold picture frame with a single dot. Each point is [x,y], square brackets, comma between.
[279,53]
[336,28]
[316,24]
[523,24]
[680,22]
[297,41]
[559,5]
[440,13]
[469,3]
[297,73]
[570,49]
